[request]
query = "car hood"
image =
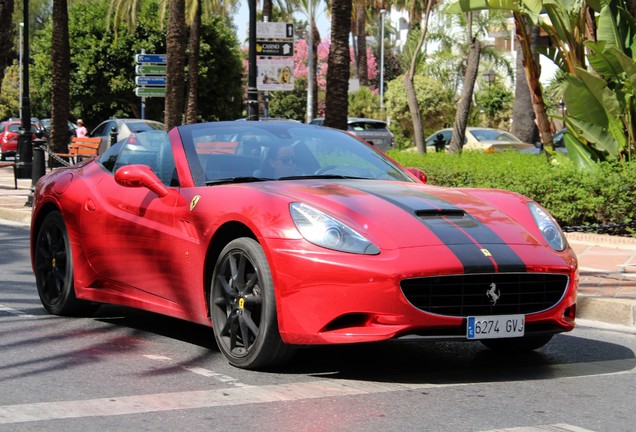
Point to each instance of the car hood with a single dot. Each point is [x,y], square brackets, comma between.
[501,145]
[399,214]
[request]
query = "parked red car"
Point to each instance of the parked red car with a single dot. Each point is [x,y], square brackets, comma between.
[9,132]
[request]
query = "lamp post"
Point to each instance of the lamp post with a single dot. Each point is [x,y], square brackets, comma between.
[382,14]
[252,91]
[21,28]
[25,150]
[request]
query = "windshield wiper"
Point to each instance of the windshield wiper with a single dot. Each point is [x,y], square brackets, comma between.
[228,180]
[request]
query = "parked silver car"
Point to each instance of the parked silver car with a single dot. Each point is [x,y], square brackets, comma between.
[124,128]
[373,131]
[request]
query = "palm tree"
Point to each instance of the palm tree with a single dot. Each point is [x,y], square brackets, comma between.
[193,62]
[337,102]
[359,28]
[175,72]
[60,75]
[523,124]
[409,86]
[6,14]
[315,42]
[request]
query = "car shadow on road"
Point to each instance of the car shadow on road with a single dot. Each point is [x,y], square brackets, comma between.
[566,355]
[436,362]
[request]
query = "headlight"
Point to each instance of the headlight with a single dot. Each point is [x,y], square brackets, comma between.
[547,225]
[325,231]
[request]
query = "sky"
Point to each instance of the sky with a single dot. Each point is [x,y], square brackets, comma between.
[242,21]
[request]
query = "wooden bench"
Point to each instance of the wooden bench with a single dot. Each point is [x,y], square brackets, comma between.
[81,147]
[15,173]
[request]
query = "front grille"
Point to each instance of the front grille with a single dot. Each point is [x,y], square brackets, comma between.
[467,295]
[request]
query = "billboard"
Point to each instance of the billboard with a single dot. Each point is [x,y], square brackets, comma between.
[275,74]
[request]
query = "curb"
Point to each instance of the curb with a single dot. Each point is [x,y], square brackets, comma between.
[18,216]
[608,310]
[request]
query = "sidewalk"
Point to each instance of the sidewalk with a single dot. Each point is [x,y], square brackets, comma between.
[607,290]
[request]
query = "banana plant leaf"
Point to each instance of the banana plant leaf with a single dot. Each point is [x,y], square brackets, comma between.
[579,153]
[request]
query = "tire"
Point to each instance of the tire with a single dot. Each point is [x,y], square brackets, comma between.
[54,269]
[526,343]
[243,308]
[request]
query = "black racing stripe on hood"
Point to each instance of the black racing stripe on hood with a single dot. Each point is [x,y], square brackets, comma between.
[462,233]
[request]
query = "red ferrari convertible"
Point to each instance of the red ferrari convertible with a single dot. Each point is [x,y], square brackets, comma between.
[279,235]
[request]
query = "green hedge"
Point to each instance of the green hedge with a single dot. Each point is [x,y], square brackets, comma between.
[604,195]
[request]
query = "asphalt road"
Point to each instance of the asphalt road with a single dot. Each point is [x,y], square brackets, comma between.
[123,370]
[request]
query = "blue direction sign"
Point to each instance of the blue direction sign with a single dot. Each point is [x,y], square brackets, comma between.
[151,58]
[150,81]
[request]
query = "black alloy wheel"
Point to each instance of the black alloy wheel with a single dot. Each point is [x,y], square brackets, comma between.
[243,308]
[54,269]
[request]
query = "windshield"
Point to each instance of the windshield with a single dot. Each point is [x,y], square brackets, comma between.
[136,127]
[256,151]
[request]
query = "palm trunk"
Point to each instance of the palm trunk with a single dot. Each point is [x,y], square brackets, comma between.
[314,72]
[193,67]
[175,75]
[6,14]
[409,88]
[463,109]
[532,75]
[337,102]
[362,45]
[60,75]
[523,124]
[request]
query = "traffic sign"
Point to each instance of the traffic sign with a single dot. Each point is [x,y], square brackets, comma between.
[151,58]
[150,91]
[149,69]
[274,30]
[280,49]
[150,81]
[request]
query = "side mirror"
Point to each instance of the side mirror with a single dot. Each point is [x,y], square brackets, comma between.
[136,176]
[418,174]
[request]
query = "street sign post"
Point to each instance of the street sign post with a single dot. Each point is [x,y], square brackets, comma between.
[278,49]
[151,77]
[155,81]
[148,69]
[150,91]
[274,30]
[151,58]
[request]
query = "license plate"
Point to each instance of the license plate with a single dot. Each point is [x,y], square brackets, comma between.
[495,326]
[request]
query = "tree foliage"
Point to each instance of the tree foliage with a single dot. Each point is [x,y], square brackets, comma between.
[103,68]
[435,102]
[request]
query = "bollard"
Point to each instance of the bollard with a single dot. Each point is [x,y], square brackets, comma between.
[113,136]
[39,166]
[24,156]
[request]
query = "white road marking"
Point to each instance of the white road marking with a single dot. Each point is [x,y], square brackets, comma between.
[123,405]
[157,357]
[16,312]
[201,371]
[561,427]
[219,377]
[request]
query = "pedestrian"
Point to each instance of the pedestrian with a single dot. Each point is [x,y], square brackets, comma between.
[81,129]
